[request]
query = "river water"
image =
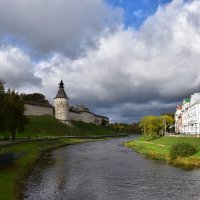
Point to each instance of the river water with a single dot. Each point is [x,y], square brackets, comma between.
[106,170]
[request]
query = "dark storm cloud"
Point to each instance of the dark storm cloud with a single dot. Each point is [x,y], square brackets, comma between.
[50,26]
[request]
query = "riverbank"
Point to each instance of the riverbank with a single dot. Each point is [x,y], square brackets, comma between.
[20,161]
[160,149]
[47,126]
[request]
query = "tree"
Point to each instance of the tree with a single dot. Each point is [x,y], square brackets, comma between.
[2,94]
[169,120]
[14,113]
[35,97]
[103,122]
[150,125]
[126,128]
[153,126]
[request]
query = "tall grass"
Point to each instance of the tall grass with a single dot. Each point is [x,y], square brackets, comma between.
[43,126]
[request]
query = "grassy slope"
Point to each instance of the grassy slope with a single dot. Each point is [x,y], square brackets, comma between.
[12,176]
[160,148]
[48,126]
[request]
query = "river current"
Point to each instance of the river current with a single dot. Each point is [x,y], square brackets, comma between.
[106,170]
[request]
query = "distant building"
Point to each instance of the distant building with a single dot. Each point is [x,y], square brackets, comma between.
[178,119]
[187,116]
[63,112]
[194,114]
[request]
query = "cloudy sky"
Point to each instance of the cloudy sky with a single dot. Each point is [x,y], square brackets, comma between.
[122,58]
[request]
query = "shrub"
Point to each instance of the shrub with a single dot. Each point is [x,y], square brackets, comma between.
[182,150]
[152,137]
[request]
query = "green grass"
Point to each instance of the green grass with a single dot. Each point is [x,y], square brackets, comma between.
[13,175]
[44,126]
[160,149]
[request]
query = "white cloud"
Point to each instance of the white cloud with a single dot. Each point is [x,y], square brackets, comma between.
[158,63]
[16,69]
[133,73]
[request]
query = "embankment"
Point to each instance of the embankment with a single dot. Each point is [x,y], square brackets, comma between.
[45,126]
[19,161]
[160,149]
[41,134]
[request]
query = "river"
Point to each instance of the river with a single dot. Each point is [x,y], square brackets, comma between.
[106,170]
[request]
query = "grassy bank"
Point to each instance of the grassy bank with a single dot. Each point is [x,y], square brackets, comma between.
[13,174]
[160,149]
[43,126]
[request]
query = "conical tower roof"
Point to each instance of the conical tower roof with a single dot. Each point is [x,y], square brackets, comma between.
[61,92]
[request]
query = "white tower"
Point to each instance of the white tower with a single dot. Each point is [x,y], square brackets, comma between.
[61,104]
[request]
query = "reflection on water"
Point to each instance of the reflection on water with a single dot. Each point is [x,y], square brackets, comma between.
[106,170]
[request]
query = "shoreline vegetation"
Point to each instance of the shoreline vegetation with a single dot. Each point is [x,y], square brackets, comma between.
[24,157]
[159,149]
[41,135]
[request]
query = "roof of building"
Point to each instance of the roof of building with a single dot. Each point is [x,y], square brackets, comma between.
[61,92]
[38,104]
[187,100]
[179,107]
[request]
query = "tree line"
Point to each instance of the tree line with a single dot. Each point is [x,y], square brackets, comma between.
[126,128]
[155,126]
[11,111]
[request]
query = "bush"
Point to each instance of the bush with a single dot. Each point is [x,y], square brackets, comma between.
[182,150]
[152,137]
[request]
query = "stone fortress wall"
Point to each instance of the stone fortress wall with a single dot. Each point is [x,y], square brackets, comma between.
[81,113]
[63,112]
[86,116]
[38,109]
[77,114]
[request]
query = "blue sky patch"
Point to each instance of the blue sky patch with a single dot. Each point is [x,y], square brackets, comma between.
[137,11]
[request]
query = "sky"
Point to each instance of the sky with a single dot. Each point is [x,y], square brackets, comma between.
[121,58]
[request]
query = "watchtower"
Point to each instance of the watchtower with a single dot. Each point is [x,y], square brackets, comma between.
[61,104]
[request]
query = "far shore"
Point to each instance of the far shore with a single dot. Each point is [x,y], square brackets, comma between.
[159,149]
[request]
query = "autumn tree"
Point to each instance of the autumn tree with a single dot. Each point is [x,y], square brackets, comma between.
[150,125]
[14,112]
[153,126]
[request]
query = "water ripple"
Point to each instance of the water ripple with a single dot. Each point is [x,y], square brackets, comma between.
[105,170]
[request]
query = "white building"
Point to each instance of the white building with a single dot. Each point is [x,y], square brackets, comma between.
[185,115]
[194,114]
[178,119]
[190,115]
